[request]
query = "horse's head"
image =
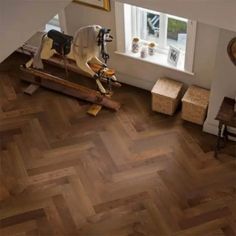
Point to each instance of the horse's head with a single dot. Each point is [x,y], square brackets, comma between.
[104,37]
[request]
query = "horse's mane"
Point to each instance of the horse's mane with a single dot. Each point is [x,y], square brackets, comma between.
[85,41]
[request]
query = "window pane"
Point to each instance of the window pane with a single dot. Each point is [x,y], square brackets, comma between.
[177,33]
[153,26]
[54,21]
[146,24]
[53,24]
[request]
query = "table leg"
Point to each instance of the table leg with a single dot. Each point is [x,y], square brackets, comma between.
[225,135]
[217,148]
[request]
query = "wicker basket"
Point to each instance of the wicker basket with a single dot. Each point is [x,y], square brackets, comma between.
[195,104]
[166,95]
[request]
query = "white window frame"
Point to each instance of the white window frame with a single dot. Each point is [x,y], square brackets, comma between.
[124,34]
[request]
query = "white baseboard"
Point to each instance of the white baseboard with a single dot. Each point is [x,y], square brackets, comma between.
[211,128]
[136,82]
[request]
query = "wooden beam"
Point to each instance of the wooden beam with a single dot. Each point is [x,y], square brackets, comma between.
[66,87]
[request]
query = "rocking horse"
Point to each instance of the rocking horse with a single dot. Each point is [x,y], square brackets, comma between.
[78,53]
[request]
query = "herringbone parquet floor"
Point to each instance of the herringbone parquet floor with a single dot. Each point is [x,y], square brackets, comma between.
[130,173]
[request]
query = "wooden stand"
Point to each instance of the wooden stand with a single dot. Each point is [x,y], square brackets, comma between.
[94,110]
[31,89]
[66,87]
[58,61]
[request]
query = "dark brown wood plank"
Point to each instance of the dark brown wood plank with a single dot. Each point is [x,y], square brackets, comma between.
[132,172]
[27,216]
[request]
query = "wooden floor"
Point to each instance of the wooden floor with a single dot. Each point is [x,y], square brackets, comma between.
[130,173]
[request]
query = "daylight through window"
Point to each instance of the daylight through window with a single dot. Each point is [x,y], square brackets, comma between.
[170,35]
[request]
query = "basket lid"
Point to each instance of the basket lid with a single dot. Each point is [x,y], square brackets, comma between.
[197,95]
[167,87]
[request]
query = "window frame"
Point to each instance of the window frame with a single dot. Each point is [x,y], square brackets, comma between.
[124,34]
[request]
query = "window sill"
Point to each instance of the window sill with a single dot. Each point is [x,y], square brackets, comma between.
[159,59]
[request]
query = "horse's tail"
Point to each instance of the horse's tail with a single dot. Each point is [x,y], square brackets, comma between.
[37,61]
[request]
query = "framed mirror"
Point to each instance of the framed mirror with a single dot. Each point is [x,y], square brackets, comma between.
[102,4]
[232,50]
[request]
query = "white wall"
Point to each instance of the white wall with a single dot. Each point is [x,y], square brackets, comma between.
[224,82]
[140,73]
[19,20]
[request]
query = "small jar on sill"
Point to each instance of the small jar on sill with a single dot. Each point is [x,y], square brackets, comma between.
[144,52]
[135,45]
[151,48]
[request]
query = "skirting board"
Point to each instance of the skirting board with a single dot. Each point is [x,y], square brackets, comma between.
[136,82]
[212,128]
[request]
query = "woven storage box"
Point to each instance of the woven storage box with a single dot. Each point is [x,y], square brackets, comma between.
[195,103]
[166,95]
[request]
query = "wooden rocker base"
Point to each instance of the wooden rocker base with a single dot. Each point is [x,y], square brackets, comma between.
[31,89]
[66,87]
[94,110]
[58,61]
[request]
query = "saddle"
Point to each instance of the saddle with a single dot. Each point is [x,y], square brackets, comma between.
[97,69]
[61,42]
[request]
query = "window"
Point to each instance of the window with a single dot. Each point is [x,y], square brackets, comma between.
[53,24]
[57,23]
[152,26]
[176,32]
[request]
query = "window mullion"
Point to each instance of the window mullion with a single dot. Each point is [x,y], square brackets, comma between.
[143,19]
[163,30]
[127,29]
[140,23]
[133,21]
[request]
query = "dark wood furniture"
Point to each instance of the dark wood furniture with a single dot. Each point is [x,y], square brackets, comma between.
[226,117]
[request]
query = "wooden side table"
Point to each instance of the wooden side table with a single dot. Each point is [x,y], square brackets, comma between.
[226,117]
